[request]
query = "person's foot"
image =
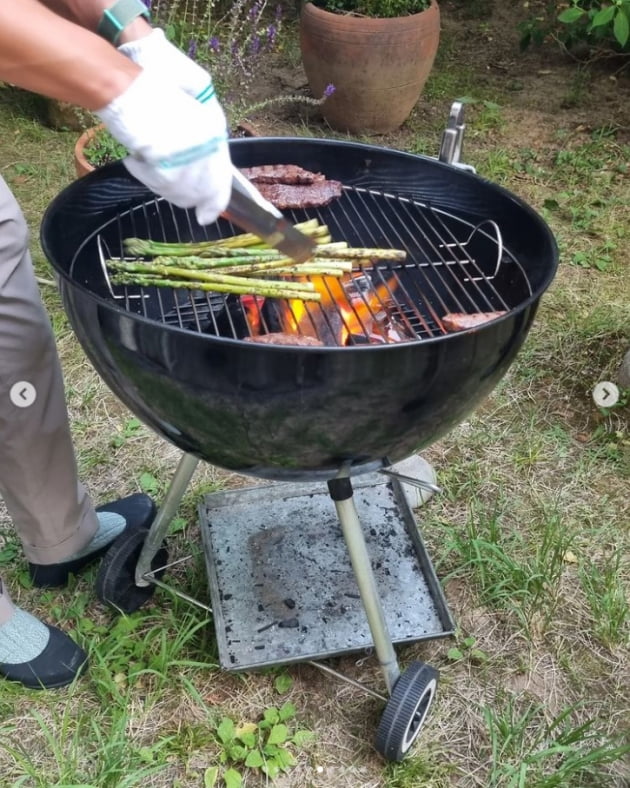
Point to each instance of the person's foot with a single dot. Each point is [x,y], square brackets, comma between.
[38,655]
[134,512]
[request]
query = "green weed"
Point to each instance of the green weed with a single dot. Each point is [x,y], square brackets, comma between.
[509,572]
[606,593]
[528,750]
[265,746]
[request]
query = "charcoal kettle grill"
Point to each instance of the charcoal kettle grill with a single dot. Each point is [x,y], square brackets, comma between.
[328,415]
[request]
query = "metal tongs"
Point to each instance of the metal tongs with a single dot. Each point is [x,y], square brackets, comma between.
[249,209]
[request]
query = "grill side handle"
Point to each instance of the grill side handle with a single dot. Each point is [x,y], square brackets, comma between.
[453,139]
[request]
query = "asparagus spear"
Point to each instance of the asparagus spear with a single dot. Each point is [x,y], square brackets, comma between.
[170,272]
[143,247]
[267,289]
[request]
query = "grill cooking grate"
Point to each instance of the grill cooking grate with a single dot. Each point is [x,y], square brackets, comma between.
[452,265]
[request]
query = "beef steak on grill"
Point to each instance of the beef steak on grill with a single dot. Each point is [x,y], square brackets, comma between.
[281,173]
[290,186]
[314,195]
[460,321]
[278,338]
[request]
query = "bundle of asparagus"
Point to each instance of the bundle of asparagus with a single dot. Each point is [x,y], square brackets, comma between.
[241,264]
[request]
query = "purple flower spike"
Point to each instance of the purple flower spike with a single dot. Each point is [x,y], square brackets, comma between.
[192,49]
[214,44]
[272,32]
[255,45]
[329,90]
[278,13]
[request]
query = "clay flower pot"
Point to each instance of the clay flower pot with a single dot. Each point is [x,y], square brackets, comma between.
[378,66]
[81,165]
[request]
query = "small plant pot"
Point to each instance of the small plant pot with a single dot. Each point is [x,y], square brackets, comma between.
[81,165]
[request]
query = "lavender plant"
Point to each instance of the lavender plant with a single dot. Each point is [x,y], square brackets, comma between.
[231,40]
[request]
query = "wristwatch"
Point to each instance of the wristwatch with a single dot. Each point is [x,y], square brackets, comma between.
[116,18]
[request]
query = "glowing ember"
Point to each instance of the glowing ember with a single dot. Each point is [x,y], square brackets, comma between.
[252,306]
[352,311]
[349,307]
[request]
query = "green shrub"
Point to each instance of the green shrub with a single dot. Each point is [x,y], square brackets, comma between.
[383,9]
[600,24]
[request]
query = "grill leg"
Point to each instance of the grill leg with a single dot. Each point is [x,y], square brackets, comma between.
[159,527]
[342,494]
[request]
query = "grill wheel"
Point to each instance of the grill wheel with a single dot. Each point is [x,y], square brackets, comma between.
[406,711]
[116,580]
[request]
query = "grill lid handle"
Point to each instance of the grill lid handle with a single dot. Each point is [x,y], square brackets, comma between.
[249,210]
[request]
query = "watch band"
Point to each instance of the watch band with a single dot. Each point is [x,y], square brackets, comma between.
[116,18]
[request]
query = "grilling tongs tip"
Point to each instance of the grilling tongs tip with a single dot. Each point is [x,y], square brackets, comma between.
[250,211]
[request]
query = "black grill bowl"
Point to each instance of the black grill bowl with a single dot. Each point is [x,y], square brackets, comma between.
[292,413]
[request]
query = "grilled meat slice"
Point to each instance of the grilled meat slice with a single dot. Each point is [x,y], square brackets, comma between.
[282,173]
[278,338]
[460,321]
[285,196]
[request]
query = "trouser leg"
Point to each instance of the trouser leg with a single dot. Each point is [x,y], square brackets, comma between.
[50,509]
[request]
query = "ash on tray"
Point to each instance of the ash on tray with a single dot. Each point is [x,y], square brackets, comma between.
[281,583]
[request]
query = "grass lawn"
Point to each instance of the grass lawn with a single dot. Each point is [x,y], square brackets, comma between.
[530,537]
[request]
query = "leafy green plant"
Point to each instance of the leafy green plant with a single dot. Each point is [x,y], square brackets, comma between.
[128,430]
[598,21]
[603,25]
[465,648]
[263,747]
[102,148]
[383,9]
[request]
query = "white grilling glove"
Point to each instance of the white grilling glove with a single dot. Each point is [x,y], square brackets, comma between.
[178,149]
[157,55]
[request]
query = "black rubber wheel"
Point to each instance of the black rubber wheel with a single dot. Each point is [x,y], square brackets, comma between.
[406,711]
[116,578]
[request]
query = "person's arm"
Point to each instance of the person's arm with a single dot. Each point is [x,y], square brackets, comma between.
[88,13]
[48,54]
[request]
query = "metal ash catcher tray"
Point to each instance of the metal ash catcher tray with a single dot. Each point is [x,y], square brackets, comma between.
[293,578]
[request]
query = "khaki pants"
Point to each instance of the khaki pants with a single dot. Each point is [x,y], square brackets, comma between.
[50,509]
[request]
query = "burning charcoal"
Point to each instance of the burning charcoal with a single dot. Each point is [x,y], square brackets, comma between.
[363,339]
[229,321]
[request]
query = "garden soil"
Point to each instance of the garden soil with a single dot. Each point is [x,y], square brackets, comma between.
[538,91]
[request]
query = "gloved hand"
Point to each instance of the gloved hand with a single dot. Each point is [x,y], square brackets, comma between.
[178,149]
[156,54]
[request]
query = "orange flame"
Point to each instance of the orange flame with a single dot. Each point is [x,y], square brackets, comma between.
[357,311]
[252,306]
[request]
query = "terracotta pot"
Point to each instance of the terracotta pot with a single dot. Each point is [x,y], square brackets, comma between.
[378,66]
[81,165]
